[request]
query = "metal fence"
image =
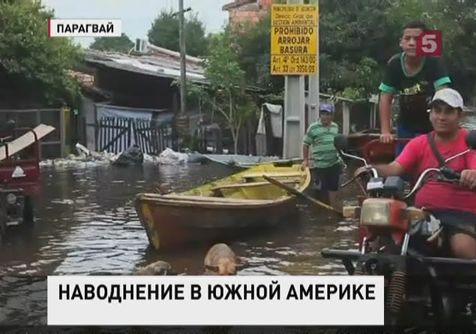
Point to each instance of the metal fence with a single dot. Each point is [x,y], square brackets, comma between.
[115,135]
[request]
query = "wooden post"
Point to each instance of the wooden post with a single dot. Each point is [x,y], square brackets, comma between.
[40,146]
[345,118]
[66,111]
[96,128]
[62,133]
[374,100]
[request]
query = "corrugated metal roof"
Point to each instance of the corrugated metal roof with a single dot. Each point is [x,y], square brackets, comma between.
[165,65]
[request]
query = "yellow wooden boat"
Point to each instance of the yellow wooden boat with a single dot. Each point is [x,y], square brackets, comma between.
[222,209]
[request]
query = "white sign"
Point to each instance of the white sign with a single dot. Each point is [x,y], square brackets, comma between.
[215,300]
[84,28]
[18,172]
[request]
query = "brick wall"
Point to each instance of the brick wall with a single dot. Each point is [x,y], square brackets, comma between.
[249,13]
[265,3]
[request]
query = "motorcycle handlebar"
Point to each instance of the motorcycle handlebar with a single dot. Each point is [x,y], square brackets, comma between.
[446,172]
[370,170]
[450,174]
[367,171]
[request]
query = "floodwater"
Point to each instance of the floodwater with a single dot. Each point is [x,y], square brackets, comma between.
[86,224]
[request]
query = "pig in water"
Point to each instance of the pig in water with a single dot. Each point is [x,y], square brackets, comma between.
[156,268]
[221,260]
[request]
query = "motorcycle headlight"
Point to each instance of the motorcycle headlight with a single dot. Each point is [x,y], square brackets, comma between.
[11,199]
[375,212]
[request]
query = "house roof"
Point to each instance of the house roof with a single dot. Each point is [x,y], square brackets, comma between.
[157,62]
[236,4]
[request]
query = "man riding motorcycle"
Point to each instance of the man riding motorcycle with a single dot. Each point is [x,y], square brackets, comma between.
[452,202]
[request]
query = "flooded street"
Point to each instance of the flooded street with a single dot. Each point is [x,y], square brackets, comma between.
[86,224]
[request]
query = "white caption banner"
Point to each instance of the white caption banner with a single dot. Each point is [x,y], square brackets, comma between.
[265,300]
[84,28]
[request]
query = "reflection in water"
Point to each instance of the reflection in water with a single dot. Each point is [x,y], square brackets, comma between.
[86,224]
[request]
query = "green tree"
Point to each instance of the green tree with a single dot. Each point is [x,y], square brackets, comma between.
[225,93]
[165,33]
[119,44]
[253,43]
[355,43]
[31,62]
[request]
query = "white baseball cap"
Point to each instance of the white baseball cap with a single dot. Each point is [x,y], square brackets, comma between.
[449,96]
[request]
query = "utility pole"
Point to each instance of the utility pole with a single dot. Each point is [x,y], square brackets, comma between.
[183,74]
[293,111]
[313,88]
[182,122]
[294,60]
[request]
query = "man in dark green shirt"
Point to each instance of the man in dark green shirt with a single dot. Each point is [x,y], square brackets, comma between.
[414,79]
[326,162]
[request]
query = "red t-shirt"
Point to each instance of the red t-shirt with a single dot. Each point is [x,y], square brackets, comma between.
[417,156]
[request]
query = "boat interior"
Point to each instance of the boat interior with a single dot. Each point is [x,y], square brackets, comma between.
[250,184]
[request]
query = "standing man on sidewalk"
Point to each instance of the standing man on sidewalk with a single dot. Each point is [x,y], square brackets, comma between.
[319,139]
[414,79]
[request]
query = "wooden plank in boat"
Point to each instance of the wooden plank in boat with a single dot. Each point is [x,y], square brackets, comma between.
[273,175]
[177,197]
[217,199]
[25,140]
[249,184]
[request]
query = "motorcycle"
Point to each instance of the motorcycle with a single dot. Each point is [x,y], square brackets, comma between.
[19,179]
[408,246]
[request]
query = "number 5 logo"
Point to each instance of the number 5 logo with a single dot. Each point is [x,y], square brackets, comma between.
[429,43]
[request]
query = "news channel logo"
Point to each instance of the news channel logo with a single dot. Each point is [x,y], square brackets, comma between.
[84,28]
[429,44]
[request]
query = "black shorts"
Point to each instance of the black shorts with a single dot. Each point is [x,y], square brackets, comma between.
[457,221]
[328,178]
